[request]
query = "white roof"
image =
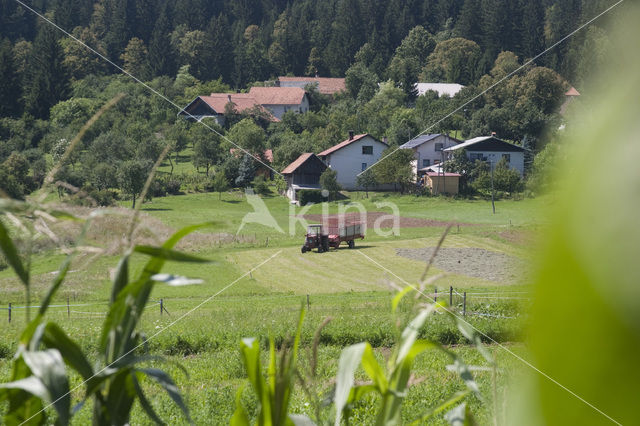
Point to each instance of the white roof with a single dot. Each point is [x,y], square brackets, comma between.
[468,142]
[449,89]
[507,146]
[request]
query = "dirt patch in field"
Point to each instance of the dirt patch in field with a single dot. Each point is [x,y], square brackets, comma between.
[472,261]
[380,220]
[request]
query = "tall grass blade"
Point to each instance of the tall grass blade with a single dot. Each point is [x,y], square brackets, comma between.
[11,254]
[165,381]
[348,363]
[167,254]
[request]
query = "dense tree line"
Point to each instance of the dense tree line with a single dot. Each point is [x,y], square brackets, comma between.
[242,42]
[50,85]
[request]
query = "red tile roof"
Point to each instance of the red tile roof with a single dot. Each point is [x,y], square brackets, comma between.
[297,163]
[343,144]
[326,85]
[241,101]
[277,95]
[572,92]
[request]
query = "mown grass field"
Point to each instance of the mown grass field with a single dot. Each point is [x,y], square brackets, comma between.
[354,287]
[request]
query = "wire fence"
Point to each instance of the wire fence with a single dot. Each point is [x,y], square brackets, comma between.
[455,299]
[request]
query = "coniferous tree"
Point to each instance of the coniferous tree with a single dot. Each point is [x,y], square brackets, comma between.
[9,82]
[46,80]
[221,48]
[161,56]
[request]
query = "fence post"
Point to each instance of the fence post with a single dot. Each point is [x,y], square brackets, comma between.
[435,295]
[161,306]
[9,311]
[464,304]
[68,308]
[308,303]
[450,295]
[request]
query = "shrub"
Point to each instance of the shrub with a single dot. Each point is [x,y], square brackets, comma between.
[307,196]
[260,186]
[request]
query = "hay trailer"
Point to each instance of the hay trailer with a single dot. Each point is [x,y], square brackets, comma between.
[324,237]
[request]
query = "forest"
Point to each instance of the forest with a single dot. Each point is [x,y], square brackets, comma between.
[51,85]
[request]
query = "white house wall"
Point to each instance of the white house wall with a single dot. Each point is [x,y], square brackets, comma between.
[427,151]
[347,162]
[279,110]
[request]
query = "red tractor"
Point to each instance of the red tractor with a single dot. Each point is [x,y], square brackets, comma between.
[322,238]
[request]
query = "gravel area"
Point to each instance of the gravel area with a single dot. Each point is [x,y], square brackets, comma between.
[473,262]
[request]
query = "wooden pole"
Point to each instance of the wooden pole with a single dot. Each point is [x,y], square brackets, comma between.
[9,312]
[464,304]
[435,295]
[161,306]
[450,295]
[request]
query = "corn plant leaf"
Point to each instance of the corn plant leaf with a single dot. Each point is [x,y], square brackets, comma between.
[468,331]
[454,399]
[168,254]
[121,277]
[52,336]
[398,297]
[240,416]
[57,281]
[23,405]
[250,350]
[120,398]
[48,367]
[373,370]
[349,360]
[410,333]
[460,416]
[167,383]
[144,402]
[464,373]
[11,254]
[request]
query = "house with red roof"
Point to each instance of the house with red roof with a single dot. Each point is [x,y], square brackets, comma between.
[279,100]
[303,173]
[351,157]
[325,85]
[217,104]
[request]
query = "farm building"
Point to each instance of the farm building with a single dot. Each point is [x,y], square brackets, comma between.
[303,173]
[215,105]
[492,149]
[442,183]
[325,85]
[279,100]
[428,150]
[352,156]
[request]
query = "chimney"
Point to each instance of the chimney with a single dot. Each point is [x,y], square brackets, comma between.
[350,135]
[384,139]
[229,97]
[493,134]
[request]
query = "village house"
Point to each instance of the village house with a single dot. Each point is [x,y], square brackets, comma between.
[448,89]
[351,157]
[216,105]
[428,151]
[303,173]
[326,85]
[279,100]
[491,149]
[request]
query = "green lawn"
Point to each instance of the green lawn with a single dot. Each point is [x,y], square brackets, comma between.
[351,286]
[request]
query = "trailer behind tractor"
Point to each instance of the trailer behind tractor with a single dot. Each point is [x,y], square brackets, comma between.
[330,235]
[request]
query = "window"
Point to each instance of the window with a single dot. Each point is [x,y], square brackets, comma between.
[367,150]
[426,163]
[439,146]
[507,157]
[364,166]
[473,156]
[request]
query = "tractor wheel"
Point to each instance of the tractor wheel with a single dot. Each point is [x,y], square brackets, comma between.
[320,249]
[303,249]
[352,244]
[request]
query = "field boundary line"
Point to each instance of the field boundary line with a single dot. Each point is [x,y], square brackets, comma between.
[198,306]
[518,357]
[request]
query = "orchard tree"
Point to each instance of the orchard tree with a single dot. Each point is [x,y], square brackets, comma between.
[132,175]
[329,182]
[220,183]
[249,136]
[366,180]
[394,168]
[453,61]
